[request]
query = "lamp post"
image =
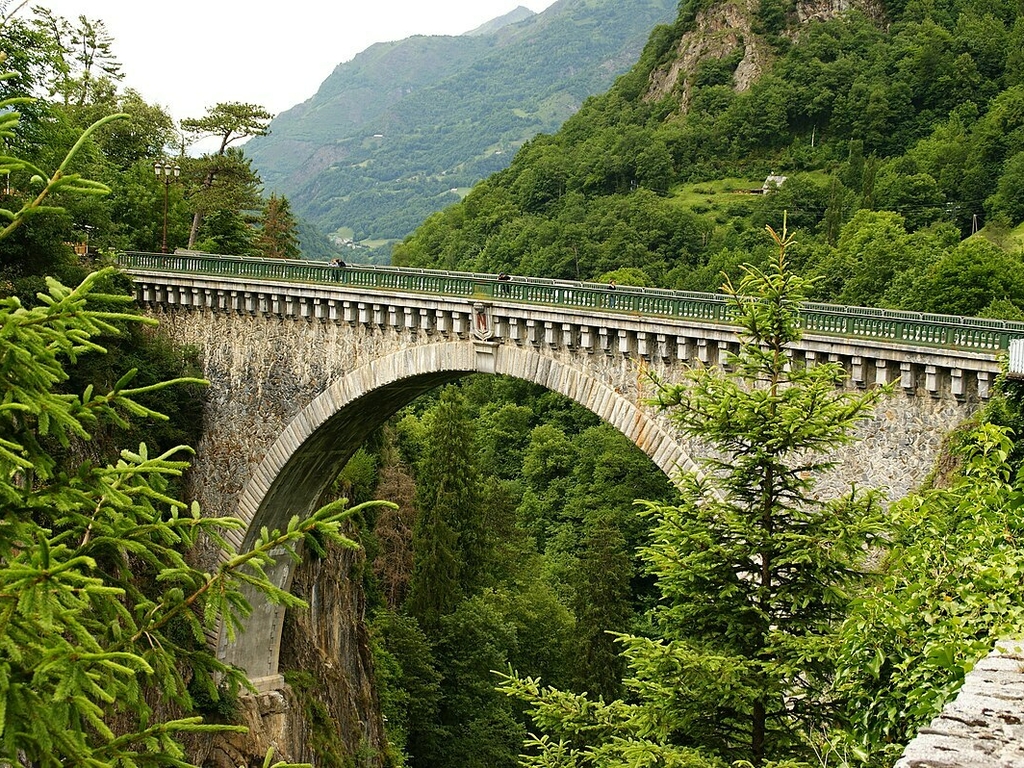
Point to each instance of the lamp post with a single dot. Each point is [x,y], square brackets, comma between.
[166,173]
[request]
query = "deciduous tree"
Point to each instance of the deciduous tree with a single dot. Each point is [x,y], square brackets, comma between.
[100,609]
[951,589]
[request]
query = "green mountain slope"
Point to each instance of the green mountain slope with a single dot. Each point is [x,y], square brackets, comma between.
[899,133]
[400,130]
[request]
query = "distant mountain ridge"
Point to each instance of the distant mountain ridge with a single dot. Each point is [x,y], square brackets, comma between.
[393,134]
[518,14]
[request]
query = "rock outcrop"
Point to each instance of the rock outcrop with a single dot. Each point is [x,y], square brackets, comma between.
[726,29]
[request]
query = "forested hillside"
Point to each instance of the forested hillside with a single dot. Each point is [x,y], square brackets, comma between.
[405,127]
[896,132]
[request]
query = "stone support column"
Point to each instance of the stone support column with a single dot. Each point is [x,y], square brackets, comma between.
[626,343]
[931,380]
[549,335]
[443,324]
[984,391]
[587,338]
[881,373]
[427,324]
[643,347]
[568,336]
[907,378]
[722,353]
[515,330]
[702,351]
[857,371]
[956,383]
[532,332]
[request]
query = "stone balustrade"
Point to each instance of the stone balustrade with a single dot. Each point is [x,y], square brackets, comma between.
[927,370]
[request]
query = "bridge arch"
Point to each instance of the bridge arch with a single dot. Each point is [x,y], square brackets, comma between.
[316,443]
[271,343]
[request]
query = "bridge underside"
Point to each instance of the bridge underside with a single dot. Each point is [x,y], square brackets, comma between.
[315,445]
[312,467]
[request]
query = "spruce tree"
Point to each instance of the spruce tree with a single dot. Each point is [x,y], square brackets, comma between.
[602,605]
[753,566]
[434,589]
[278,238]
[450,543]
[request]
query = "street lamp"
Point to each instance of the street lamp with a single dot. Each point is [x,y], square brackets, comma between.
[166,173]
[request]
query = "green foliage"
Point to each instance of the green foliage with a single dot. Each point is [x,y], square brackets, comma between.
[603,606]
[963,281]
[103,619]
[85,633]
[278,238]
[224,187]
[84,66]
[1009,196]
[228,122]
[951,587]
[479,722]
[409,686]
[60,181]
[544,604]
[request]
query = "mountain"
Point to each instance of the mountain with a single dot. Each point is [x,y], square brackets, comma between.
[887,138]
[404,128]
[518,14]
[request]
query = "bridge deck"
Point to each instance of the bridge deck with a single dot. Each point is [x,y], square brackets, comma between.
[912,328]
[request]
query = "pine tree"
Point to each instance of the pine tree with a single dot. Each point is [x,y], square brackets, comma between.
[434,589]
[602,605]
[393,530]
[449,540]
[225,180]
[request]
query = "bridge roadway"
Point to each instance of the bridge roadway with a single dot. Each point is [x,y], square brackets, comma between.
[305,360]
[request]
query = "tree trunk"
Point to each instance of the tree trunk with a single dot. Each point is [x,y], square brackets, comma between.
[197,219]
[757,735]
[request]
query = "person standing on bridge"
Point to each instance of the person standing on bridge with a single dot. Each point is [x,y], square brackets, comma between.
[503,279]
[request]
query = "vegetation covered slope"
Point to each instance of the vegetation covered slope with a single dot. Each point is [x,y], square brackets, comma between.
[899,131]
[393,131]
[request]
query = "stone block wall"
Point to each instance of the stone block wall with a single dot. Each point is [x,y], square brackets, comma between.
[983,727]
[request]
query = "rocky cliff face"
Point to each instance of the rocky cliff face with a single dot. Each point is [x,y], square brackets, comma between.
[325,653]
[328,714]
[727,28]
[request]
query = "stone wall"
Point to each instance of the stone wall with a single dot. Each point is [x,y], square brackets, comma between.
[983,727]
[264,371]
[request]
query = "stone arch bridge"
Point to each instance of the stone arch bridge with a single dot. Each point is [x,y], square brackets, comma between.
[306,360]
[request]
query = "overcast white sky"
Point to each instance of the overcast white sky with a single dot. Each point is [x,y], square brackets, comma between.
[187,55]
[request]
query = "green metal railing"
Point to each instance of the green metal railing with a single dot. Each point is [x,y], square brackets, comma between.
[852,322]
